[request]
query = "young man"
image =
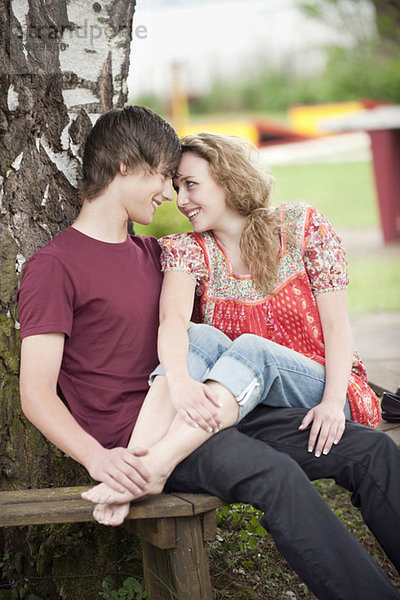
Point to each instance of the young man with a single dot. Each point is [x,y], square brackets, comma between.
[89,315]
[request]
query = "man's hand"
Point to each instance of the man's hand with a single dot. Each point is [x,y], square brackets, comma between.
[195,403]
[328,424]
[121,469]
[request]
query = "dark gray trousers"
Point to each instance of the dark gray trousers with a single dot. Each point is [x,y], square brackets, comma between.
[264,461]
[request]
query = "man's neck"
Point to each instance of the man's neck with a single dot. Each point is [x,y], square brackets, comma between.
[98,221]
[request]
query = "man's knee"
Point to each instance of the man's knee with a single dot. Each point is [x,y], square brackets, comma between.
[242,469]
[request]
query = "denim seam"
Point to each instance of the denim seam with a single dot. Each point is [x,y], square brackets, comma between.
[199,353]
[200,357]
[275,364]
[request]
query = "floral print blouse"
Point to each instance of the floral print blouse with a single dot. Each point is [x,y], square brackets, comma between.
[312,263]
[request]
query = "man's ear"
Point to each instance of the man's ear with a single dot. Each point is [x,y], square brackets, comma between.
[123,169]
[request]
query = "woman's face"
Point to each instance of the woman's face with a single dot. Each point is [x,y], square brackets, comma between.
[200,198]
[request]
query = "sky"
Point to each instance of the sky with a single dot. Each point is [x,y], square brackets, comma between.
[220,38]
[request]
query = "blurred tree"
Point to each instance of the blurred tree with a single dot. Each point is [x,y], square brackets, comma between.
[388,19]
[367,64]
[354,17]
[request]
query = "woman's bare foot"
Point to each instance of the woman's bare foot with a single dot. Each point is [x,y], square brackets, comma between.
[111,514]
[103,494]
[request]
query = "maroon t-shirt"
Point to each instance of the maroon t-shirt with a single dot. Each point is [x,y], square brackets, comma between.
[105,298]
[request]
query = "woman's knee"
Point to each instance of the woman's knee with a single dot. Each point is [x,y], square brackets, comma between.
[256,341]
[253,348]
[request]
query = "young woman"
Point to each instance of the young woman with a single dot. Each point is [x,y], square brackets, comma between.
[279,273]
[248,268]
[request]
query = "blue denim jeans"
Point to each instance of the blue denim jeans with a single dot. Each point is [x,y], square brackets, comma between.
[254,370]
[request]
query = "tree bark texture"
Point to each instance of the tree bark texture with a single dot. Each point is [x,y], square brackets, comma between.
[62,64]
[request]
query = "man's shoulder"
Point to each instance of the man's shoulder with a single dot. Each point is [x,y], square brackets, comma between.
[55,249]
[146,243]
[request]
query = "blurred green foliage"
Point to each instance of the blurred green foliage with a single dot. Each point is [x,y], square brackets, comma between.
[167,220]
[364,65]
[363,71]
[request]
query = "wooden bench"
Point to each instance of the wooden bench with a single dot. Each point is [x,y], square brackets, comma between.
[172,529]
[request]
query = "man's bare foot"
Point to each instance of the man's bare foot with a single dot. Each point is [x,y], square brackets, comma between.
[111,514]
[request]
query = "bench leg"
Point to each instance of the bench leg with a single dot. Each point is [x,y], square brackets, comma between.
[181,572]
[156,572]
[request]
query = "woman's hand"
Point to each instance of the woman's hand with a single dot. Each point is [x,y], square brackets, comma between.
[195,403]
[328,418]
[328,425]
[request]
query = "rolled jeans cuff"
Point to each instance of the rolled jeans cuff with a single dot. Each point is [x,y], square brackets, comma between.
[239,379]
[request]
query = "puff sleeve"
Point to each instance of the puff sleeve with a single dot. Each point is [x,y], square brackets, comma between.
[181,252]
[324,255]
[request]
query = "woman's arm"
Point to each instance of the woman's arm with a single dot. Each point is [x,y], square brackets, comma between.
[328,420]
[41,357]
[193,401]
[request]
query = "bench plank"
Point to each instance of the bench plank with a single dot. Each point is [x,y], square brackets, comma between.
[201,502]
[63,505]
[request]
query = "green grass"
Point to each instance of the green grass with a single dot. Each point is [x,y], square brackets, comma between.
[343,192]
[374,285]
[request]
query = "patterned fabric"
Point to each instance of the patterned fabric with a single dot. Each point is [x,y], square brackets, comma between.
[312,263]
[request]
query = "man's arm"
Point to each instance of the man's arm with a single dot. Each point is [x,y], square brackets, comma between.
[41,357]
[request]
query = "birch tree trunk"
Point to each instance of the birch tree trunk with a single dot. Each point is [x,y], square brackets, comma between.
[62,64]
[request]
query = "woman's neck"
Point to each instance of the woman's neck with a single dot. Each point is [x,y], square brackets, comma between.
[229,236]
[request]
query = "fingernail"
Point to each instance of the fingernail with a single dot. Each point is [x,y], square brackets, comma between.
[318,454]
[301,427]
[325,451]
[336,442]
[310,448]
[210,430]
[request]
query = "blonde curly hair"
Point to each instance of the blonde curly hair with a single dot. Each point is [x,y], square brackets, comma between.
[248,188]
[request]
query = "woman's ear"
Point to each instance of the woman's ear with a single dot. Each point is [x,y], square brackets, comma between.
[123,169]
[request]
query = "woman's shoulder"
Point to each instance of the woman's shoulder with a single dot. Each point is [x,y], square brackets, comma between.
[186,240]
[295,210]
[295,217]
[183,252]
[176,240]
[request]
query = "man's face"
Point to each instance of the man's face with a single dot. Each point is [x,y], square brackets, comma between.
[144,192]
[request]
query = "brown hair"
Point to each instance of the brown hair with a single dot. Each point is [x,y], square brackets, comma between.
[248,188]
[134,136]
